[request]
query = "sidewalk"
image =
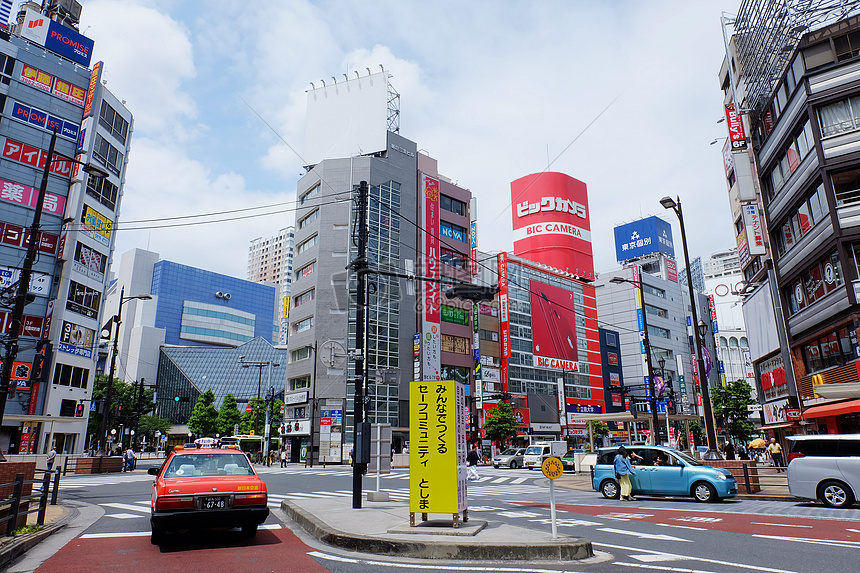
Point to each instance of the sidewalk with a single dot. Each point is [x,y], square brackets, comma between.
[382,528]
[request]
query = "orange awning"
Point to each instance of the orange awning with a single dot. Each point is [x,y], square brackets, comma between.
[836,409]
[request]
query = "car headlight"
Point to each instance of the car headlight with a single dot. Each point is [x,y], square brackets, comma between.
[722,476]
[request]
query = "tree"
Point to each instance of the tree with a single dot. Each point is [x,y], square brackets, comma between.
[730,408]
[204,417]
[500,424]
[148,425]
[124,406]
[257,413]
[698,432]
[228,416]
[598,429]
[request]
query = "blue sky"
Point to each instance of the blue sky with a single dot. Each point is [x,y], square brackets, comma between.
[489,89]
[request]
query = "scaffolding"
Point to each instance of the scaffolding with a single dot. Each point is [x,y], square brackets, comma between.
[767,33]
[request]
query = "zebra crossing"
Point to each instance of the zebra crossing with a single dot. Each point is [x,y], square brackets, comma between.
[494,476]
[81,482]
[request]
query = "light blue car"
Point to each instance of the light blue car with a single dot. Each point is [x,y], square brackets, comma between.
[664,472]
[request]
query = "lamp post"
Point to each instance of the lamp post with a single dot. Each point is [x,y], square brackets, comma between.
[647,342]
[117,320]
[259,364]
[661,362]
[711,454]
[21,295]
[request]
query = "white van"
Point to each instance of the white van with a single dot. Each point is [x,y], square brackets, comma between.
[825,467]
[539,451]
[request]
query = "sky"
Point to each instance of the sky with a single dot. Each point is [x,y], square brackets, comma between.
[622,95]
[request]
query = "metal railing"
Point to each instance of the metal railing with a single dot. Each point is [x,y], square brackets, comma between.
[14,502]
[760,479]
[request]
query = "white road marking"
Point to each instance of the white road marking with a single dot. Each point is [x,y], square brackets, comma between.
[483,508]
[124,515]
[620,515]
[128,507]
[854,530]
[675,556]
[641,535]
[566,522]
[780,524]
[682,526]
[651,558]
[517,514]
[662,568]
[500,480]
[519,480]
[119,534]
[697,519]
[432,567]
[828,542]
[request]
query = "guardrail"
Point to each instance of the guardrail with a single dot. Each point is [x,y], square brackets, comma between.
[764,478]
[12,506]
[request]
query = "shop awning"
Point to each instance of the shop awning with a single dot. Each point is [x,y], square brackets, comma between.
[836,409]
[777,425]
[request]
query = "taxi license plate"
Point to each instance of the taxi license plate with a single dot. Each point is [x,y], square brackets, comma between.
[213,503]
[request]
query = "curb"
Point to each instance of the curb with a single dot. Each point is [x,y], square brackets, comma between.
[567,549]
[19,545]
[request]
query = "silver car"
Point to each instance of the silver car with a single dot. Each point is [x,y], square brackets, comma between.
[825,467]
[512,458]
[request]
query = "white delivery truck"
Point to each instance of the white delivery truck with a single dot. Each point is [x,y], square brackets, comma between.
[539,451]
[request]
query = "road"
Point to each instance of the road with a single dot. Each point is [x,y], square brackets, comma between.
[650,534]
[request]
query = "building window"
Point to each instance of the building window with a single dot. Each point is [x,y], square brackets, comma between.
[300,382]
[452,259]
[812,211]
[653,291]
[656,311]
[309,195]
[309,219]
[303,325]
[108,155]
[452,205]
[846,187]
[456,344]
[814,284]
[306,270]
[83,300]
[455,373]
[303,298]
[103,191]
[65,375]
[489,335]
[7,66]
[791,159]
[828,351]
[301,353]
[304,246]
[452,231]
[658,332]
[610,339]
[113,122]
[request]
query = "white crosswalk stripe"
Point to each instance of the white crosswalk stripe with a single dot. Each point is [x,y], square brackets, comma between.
[489,475]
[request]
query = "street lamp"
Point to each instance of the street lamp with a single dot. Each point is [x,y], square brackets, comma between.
[647,341]
[117,320]
[21,295]
[712,453]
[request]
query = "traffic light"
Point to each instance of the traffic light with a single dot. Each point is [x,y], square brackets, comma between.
[79,411]
[180,399]
[670,407]
[119,410]
[474,293]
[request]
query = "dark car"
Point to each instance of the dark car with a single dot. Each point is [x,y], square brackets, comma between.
[199,489]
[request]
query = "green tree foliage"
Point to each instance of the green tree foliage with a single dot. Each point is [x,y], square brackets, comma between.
[730,409]
[598,428]
[257,416]
[698,433]
[228,416]
[148,426]
[127,405]
[500,424]
[204,417]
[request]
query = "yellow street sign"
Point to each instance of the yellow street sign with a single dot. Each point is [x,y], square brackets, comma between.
[552,468]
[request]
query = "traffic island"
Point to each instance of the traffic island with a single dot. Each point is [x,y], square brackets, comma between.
[379,530]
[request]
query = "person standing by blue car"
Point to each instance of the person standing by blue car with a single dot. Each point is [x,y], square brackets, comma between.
[623,471]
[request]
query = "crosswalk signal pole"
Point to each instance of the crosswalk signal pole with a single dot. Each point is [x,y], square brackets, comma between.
[359,265]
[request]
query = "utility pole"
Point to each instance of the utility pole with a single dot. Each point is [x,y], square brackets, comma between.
[24,286]
[310,455]
[655,428]
[138,412]
[359,266]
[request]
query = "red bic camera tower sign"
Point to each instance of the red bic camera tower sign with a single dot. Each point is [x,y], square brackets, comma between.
[437,452]
[551,223]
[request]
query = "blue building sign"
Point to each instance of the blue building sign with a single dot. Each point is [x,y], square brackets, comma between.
[643,237]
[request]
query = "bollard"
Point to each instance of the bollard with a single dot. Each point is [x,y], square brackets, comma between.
[747,479]
[16,503]
[43,499]
[56,491]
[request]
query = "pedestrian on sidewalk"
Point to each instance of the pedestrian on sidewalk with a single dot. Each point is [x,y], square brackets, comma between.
[472,464]
[129,459]
[52,455]
[283,458]
[729,450]
[775,451]
[623,471]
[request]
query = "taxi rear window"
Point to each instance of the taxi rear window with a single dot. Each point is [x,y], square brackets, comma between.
[201,464]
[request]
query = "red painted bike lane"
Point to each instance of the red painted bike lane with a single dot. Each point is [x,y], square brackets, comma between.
[270,550]
[745,523]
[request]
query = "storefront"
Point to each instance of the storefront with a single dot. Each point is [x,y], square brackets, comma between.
[836,417]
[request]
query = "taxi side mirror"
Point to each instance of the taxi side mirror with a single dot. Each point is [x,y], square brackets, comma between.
[152,471]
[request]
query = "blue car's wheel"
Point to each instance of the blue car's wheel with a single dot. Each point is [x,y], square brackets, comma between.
[609,489]
[704,492]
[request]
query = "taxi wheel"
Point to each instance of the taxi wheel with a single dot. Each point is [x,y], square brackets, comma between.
[249,531]
[513,465]
[704,492]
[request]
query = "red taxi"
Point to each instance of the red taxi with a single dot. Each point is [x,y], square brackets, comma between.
[204,488]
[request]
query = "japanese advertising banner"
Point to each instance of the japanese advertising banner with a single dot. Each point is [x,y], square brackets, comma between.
[432,316]
[643,237]
[29,197]
[754,231]
[96,225]
[437,453]
[737,136]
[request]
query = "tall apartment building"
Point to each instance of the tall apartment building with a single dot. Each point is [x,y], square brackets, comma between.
[790,100]
[721,264]
[46,84]
[271,260]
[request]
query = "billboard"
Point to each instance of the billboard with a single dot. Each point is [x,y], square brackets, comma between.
[432,315]
[753,228]
[347,118]
[437,452]
[57,38]
[643,237]
[736,128]
[551,222]
[553,327]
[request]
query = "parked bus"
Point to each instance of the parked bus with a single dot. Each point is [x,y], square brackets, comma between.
[251,445]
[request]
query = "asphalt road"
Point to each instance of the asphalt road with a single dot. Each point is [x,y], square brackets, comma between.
[112,532]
